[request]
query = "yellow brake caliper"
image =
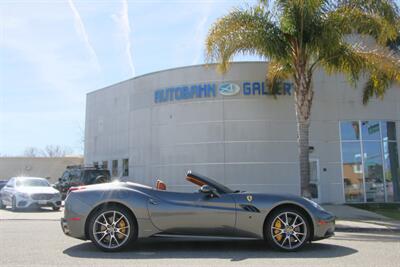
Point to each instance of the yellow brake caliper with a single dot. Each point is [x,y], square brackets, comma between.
[121,225]
[278,225]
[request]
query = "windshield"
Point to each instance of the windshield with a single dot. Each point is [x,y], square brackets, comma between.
[32,182]
[206,180]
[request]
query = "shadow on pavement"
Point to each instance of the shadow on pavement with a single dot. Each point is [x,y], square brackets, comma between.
[235,250]
[38,210]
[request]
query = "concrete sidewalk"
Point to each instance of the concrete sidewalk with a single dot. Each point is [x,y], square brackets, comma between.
[367,226]
[350,219]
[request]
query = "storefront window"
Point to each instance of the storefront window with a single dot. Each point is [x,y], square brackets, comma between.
[114,168]
[350,130]
[392,171]
[388,131]
[370,161]
[370,130]
[125,167]
[373,171]
[352,172]
[105,164]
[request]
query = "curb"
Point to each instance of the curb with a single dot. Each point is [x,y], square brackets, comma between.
[366,230]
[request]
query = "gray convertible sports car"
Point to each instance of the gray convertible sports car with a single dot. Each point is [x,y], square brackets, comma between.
[115,214]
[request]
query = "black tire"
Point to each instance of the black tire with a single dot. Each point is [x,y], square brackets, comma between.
[129,223]
[56,208]
[291,241]
[14,204]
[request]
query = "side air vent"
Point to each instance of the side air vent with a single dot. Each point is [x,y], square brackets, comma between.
[249,208]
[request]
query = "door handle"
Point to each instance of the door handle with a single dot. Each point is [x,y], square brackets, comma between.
[153,202]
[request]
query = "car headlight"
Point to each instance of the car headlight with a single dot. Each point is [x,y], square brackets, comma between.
[23,195]
[314,204]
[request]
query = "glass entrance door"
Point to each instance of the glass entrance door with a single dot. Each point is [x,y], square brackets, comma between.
[314,179]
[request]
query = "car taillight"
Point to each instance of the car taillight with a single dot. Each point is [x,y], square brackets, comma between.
[75,188]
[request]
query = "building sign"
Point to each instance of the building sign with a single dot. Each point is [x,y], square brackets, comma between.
[210,90]
[228,89]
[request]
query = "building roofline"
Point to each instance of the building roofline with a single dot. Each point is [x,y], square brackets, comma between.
[170,69]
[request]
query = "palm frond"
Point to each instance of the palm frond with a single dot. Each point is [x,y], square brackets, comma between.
[380,64]
[277,72]
[383,67]
[355,20]
[376,85]
[386,9]
[342,58]
[244,31]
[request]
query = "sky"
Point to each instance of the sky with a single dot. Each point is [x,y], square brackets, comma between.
[53,52]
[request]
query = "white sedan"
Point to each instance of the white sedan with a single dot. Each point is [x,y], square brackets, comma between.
[26,192]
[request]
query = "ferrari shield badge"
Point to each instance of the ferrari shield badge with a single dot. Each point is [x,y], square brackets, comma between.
[249,198]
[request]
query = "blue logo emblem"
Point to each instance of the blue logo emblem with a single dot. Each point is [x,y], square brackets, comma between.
[228,89]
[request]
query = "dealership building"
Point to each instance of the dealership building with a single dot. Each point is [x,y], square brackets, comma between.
[229,127]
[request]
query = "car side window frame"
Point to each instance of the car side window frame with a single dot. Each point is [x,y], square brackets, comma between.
[65,176]
[74,177]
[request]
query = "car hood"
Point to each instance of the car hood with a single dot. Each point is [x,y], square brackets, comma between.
[37,189]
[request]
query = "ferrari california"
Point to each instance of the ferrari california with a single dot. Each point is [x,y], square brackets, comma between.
[113,215]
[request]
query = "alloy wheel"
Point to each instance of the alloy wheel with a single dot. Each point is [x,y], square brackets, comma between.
[111,229]
[289,230]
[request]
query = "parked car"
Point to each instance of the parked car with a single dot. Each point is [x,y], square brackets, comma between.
[2,183]
[116,214]
[78,175]
[26,192]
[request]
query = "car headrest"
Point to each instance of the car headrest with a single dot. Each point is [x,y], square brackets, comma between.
[160,185]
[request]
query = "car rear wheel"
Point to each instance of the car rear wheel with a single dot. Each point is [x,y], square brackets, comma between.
[287,229]
[112,228]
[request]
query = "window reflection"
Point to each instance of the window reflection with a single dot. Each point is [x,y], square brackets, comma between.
[114,171]
[125,167]
[373,172]
[350,130]
[392,171]
[370,130]
[370,161]
[388,130]
[352,172]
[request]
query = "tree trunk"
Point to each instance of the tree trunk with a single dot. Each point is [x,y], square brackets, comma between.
[304,157]
[303,101]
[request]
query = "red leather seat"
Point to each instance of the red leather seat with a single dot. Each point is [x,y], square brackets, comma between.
[160,185]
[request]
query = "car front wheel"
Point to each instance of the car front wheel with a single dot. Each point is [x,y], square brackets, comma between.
[287,229]
[112,228]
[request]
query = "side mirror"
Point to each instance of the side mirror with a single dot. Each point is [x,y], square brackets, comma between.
[209,190]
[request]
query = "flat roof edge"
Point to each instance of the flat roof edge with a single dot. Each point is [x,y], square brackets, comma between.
[176,68]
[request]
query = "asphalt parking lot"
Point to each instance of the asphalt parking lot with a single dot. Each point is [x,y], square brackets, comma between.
[34,238]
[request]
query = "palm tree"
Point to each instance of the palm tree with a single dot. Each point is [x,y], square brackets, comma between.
[299,36]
